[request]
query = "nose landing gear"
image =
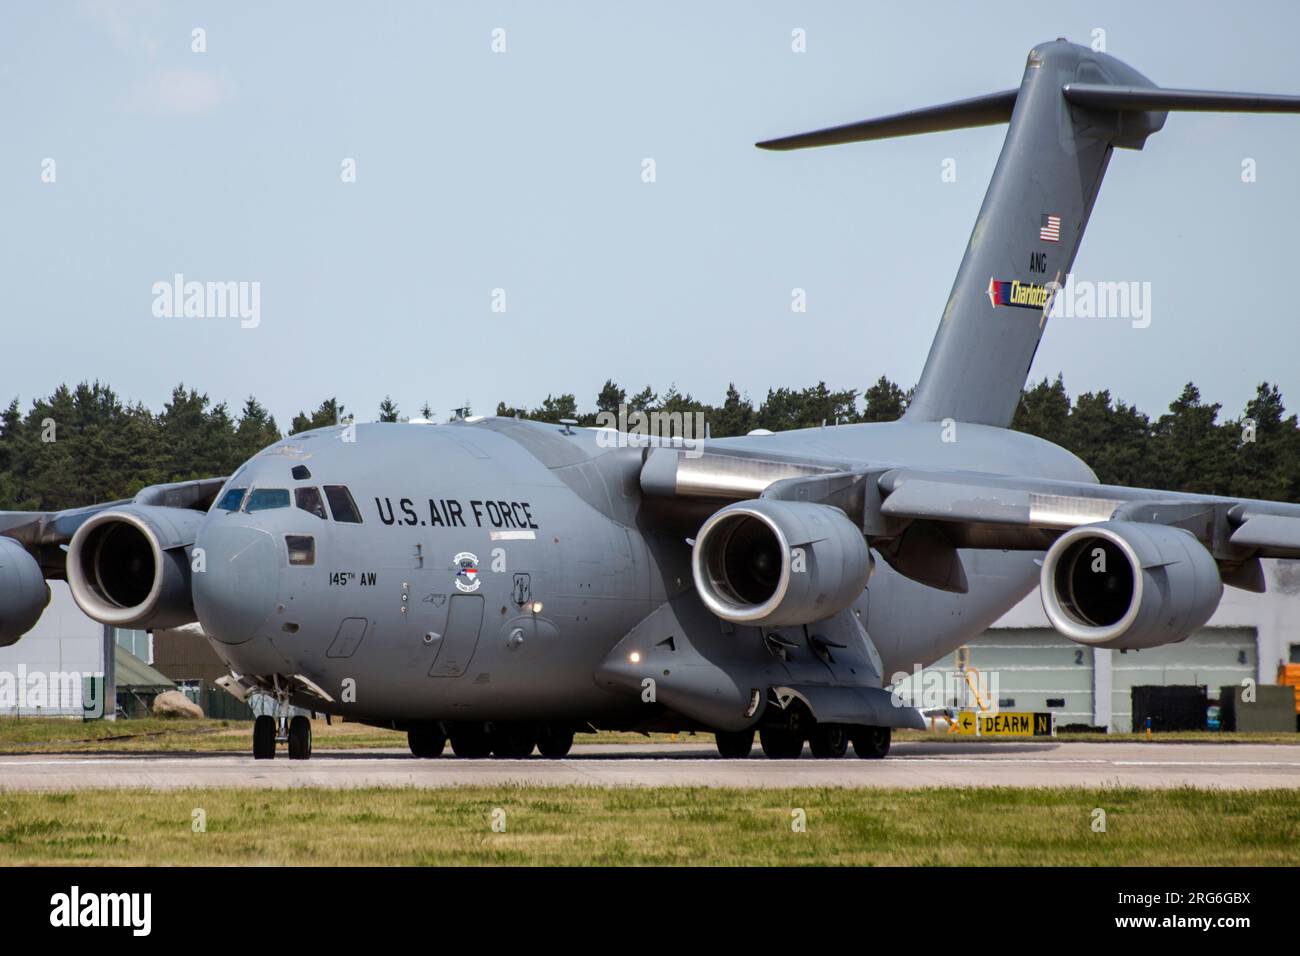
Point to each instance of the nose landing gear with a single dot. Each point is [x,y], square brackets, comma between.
[264,737]
[299,737]
[269,731]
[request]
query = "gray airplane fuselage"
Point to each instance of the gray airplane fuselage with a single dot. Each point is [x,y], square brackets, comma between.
[498,562]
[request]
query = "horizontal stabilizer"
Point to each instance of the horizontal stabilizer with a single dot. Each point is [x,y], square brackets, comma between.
[977,111]
[1102,96]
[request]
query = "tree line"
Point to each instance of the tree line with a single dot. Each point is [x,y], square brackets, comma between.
[84,444]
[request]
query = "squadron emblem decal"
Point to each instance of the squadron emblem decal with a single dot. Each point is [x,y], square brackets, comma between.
[466,571]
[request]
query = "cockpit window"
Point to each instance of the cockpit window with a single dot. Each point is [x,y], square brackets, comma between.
[309,499]
[341,503]
[232,499]
[265,499]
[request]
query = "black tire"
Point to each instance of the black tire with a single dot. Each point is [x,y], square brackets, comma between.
[829,740]
[513,741]
[471,742]
[780,743]
[734,745]
[264,738]
[555,742]
[299,738]
[871,743]
[426,741]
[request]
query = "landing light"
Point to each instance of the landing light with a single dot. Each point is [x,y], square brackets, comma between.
[635,657]
[537,607]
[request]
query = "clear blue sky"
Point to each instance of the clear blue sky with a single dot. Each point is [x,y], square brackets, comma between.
[522,170]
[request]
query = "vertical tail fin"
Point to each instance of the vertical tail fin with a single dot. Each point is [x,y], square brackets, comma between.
[1072,108]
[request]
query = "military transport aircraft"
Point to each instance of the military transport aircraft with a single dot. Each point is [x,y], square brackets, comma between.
[505,583]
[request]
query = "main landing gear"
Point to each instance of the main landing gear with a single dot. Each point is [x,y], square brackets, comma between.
[269,731]
[475,740]
[784,737]
[734,745]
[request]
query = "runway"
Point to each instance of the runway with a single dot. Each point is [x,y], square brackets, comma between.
[1027,764]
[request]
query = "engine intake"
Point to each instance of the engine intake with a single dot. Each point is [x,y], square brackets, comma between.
[1125,585]
[23,591]
[776,563]
[129,567]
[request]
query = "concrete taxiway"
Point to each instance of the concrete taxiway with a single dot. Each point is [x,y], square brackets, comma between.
[1014,764]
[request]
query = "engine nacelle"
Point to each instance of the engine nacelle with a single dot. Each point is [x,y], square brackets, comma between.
[1126,585]
[130,567]
[776,563]
[23,591]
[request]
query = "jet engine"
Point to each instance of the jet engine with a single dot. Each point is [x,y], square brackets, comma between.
[130,566]
[1125,585]
[774,563]
[23,591]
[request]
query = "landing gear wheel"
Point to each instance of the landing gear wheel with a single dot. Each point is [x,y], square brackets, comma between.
[513,741]
[871,742]
[426,741]
[780,743]
[299,738]
[829,740]
[471,741]
[264,737]
[734,745]
[555,742]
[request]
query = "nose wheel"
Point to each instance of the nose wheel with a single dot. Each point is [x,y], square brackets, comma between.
[299,738]
[269,731]
[264,737]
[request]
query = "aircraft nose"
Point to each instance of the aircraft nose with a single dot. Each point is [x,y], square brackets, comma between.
[237,589]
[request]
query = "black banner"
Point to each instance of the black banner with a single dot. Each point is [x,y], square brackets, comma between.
[327,906]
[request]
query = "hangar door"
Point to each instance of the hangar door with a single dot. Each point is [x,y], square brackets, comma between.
[1213,656]
[1034,669]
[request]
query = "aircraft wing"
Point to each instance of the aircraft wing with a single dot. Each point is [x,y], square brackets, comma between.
[43,533]
[1028,505]
[917,518]
[925,515]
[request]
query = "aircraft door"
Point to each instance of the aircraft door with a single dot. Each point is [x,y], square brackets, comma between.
[460,636]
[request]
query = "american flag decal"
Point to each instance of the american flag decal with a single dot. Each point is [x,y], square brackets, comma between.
[1050,228]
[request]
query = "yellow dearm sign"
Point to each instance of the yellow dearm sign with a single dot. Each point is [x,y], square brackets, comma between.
[1005,724]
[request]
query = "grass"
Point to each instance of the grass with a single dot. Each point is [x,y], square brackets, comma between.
[660,826]
[159,735]
[156,734]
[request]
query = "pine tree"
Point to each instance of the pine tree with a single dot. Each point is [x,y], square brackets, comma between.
[610,397]
[883,402]
[257,430]
[330,412]
[1190,450]
[1044,410]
